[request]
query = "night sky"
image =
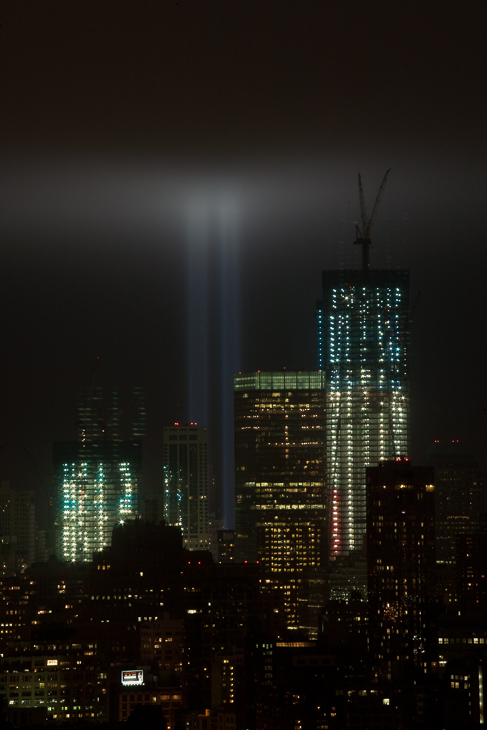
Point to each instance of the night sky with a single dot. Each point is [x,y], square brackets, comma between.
[135,132]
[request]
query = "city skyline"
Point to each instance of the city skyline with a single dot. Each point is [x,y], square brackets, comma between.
[176,180]
[260,132]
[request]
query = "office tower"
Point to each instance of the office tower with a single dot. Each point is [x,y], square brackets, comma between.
[471,572]
[17,529]
[151,508]
[280,469]
[63,683]
[459,495]
[363,349]
[400,564]
[96,478]
[186,482]
[226,546]
[215,525]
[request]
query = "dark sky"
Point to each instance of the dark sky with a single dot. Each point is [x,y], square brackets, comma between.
[128,126]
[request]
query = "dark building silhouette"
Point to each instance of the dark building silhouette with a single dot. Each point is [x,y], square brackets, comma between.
[226,546]
[280,469]
[459,495]
[17,529]
[471,572]
[224,609]
[400,564]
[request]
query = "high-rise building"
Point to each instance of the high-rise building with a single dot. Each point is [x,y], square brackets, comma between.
[400,564]
[186,482]
[215,524]
[280,466]
[459,495]
[96,478]
[226,546]
[96,490]
[17,529]
[151,508]
[471,572]
[363,348]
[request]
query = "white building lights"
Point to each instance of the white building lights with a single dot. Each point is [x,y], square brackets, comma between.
[96,487]
[362,345]
[96,476]
[95,497]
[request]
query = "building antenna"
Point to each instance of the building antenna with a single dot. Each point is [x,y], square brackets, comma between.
[363,235]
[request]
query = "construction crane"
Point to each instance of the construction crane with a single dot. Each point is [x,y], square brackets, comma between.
[85,420]
[363,234]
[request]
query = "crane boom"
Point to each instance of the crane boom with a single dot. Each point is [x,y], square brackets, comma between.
[363,235]
[363,212]
[378,199]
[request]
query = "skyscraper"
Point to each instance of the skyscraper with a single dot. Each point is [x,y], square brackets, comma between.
[96,490]
[96,478]
[280,466]
[459,496]
[186,482]
[17,529]
[400,563]
[363,349]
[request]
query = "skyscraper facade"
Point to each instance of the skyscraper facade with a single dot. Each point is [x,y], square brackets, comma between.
[17,529]
[96,477]
[363,327]
[185,461]
[97,489]
[459,496]
[280,471]
[400,564]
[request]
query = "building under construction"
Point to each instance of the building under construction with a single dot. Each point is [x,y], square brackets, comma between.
[363,324]
[96,477]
